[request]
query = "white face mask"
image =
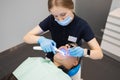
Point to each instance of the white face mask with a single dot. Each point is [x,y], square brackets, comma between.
[65,22]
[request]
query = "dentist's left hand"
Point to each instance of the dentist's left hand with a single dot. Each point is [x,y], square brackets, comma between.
[76,52]
[47,44]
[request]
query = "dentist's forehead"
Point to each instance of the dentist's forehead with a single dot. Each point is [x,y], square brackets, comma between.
[58,10]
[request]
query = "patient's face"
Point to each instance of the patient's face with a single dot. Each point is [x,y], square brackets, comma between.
[65,60]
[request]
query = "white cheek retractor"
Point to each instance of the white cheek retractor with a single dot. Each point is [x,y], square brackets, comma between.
[57,50]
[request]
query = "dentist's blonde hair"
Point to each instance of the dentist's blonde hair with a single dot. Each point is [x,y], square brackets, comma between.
[62,3]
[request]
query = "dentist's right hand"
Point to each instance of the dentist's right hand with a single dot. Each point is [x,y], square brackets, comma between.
[47,44]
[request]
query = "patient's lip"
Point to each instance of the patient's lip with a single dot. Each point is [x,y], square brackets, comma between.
[64,51]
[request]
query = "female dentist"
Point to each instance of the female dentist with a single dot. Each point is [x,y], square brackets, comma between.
[65,27]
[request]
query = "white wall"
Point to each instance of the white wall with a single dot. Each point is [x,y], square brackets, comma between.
[115,4]
[111,38]
[111,35]
[17,17]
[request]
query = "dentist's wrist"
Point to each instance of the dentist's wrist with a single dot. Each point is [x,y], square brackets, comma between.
[86,53]
[40,39]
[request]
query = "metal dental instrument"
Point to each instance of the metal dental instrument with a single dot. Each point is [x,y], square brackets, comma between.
[57,50]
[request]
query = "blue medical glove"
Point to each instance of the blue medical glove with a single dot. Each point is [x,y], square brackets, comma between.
[76,52]
[74,70]
[47,44]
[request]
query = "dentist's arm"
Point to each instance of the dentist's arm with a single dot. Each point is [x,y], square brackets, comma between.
[95,51]
[32,36]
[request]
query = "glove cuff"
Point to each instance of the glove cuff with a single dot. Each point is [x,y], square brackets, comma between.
[41,39]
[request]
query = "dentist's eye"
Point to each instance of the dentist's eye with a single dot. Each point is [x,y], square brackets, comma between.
[55,16]
[63,14]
